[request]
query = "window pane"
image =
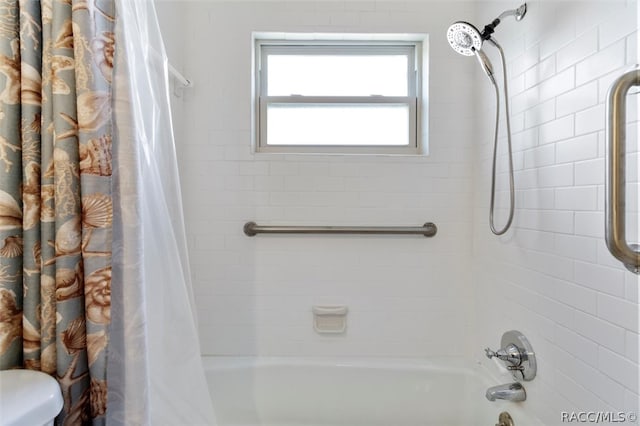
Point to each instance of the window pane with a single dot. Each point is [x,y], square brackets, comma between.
[331,125]
[337,75]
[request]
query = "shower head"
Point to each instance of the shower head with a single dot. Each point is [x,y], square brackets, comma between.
[485,63]
[464,38]
[467,40]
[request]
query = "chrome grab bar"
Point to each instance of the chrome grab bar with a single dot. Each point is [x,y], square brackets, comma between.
[428,230]
[615,227]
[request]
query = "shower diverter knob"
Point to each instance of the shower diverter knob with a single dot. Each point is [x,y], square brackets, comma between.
[518,354]
[510,354]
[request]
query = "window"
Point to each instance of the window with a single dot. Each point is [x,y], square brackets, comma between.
[330,96]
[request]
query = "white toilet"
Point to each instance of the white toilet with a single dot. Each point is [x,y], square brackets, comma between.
[28,398]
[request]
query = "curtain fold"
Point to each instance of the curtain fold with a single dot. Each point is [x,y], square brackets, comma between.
[55,125]
[94,283]
[176,392]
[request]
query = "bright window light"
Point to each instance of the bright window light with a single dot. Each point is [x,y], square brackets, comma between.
[338,125]
[338,96]
[337,75]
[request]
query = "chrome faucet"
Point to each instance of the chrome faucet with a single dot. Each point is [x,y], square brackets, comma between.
[510,392]
[517,355]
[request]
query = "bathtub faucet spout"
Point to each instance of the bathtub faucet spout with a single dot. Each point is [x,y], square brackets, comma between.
[510,392]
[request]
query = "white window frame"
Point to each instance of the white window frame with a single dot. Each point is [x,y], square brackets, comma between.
[415,99]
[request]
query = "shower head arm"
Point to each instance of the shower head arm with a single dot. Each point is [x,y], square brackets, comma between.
[490,28]
[516,13]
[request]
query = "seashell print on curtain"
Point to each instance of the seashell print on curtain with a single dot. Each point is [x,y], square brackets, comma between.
[56,64]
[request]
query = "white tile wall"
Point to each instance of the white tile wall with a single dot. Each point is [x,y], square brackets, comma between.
[254,295]
[550,276]
[587,343]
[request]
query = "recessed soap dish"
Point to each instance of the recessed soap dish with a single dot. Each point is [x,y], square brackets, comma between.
[329,319]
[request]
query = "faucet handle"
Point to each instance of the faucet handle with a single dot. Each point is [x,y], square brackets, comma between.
[489,353]
[510,354]
[500,354]
[517,354]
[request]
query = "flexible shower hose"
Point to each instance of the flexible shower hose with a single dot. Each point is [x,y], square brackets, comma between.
[495,148]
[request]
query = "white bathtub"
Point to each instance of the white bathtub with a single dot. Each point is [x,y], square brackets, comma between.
[352,392]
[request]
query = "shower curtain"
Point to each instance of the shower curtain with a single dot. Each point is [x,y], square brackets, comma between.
[94,284]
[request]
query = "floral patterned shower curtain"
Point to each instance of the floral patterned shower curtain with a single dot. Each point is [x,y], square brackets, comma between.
[56,60]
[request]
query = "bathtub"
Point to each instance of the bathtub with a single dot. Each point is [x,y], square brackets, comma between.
[353,392]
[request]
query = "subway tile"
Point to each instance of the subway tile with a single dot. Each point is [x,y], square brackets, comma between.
[631,402]
[619,368]
[298,183]
[618,311]
[582,399]
[590,120]
[602,332]
[360,6]
[283,168]
[268,183]
[571,294]
[551,264]
[632,284]
[547,220]
[590,172]
[525,139]
[253,168]
[541,199]
[516,85]
[554,41]
[328,184]
[559,83]
[539,114]
[526,179]
[237,153]
[538,157]
[577,345]
[555,176]
[556,130]
[600,278]
[576,198]
[577,149]
[632,48]
[579,49]
[308,168]
[596,13]
[344,19]
[548,308]
[577,99]
[239,183]
[597,382]
[576,247]
[524,100]
[632,346]
[604,61]
[517,123]
[535,240]
[542,71]
[525,61]
[618,26]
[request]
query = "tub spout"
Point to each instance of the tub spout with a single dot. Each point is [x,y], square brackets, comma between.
[510,392]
